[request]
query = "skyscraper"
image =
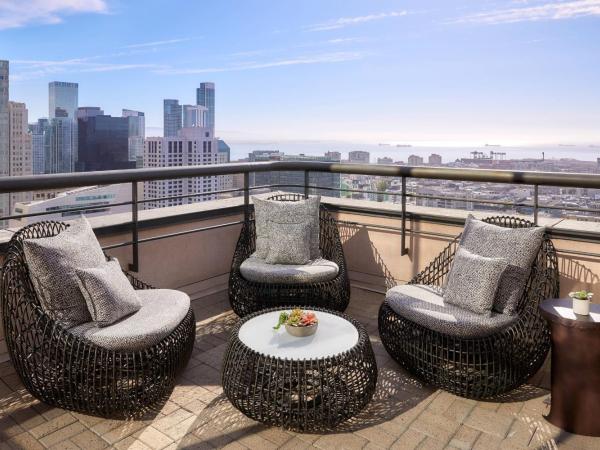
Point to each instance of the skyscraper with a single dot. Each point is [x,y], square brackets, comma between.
[19,140]
[171,117]
[38,132]
[4,146]
[137,134]
[205,96]
[61,139]
[194,116]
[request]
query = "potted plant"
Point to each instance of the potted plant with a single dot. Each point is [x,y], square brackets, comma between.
[298,323]
[581,302]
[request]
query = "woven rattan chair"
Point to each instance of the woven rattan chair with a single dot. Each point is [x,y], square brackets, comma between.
[477,367]
[66,371]
[247,296]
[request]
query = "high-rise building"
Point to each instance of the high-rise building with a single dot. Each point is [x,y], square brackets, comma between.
[61,139]
[4,152]
[435,159]
[359,157]
[336,156]
[89,111]
[171,117]
[224,182]
[194,116]
[103,142]
[19,143]
[38,132]
[415,160]
[193,146]
[205,96]
[137,134]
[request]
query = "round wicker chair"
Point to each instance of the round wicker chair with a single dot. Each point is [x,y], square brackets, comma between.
[478,367]
[68,372]
[247,297]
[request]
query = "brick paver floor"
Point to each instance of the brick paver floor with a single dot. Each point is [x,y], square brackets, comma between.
[404,414]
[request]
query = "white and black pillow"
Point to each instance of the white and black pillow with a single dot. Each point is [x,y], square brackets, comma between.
[107,292]
[473,281]
[288,243]
[302,211]
[519,246]
[52,262]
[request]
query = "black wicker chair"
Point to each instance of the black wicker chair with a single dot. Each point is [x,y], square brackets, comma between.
[479,367]
[68,372]
[247,297]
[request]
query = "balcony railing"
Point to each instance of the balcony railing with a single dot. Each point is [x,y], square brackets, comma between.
[135,176]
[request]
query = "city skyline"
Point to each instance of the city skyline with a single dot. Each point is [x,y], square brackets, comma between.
[425,73]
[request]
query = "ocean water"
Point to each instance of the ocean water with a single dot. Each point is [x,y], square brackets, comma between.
[580,152]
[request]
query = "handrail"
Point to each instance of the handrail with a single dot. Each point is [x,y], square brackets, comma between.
[79,179]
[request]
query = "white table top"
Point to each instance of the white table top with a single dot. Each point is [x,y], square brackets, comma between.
[334,336]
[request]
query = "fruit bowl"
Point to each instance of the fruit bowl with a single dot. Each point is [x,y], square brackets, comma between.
[298,323]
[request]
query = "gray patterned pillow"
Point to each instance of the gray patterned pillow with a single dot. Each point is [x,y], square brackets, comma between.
[303,211]
[107,292]
[519,246]
[473,281]
[52,262]
[289,243]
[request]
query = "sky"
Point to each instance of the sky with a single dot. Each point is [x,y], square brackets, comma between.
[512,72]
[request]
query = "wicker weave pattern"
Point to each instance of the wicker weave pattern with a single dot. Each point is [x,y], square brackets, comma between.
[247,297]
[68,372]
[481,367]
[302,395]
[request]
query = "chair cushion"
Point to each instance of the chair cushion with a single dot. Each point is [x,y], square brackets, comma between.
[473,281]
[289,243]
[108,293]
[259,271]
[519,246]
[52,262]
[161,312]
[302,211]
[425,306]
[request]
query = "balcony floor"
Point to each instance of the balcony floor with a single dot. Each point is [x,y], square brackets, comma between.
[403,413]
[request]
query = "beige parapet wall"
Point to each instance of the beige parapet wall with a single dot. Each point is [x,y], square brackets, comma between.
[199,263]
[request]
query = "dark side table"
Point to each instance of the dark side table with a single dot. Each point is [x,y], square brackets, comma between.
[575,401]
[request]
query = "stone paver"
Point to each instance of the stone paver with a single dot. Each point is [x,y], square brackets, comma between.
[404,414]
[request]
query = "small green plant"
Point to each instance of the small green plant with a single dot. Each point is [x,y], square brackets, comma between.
[296,318]
[581,295]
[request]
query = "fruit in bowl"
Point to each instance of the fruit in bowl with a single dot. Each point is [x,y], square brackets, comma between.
[298,323]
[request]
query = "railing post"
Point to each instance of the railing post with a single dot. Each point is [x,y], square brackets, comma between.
[403,250]
[535,203]
[306,182]
[246,197]
[135,265]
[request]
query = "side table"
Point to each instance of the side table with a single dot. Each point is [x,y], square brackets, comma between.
[575,372]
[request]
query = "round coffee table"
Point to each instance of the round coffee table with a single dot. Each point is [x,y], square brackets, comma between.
[301,383]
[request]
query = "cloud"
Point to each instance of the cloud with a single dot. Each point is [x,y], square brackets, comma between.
[19,13]
[157,43]
[326,58]
[547,11]
[343,22]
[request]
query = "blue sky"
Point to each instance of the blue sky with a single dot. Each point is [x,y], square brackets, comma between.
[432,72]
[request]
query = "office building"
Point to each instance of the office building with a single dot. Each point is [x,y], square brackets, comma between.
[435,159]
[171,117]
[4,149]
[336,156]
[194,116]
[20,150]
[89,111]
[205,96]
[38,132]
[385,160]
[224,182]
[192,147]
[103,143]
[359,157]
[137,134]
[61,138]
[62,99]
[415,160]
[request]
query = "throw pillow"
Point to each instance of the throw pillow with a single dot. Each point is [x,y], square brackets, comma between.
[519,246]
[107,292]
[302,211]
[473,281]
[52,262]
[289,243]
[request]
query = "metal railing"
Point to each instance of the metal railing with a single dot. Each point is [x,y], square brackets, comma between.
[135,176]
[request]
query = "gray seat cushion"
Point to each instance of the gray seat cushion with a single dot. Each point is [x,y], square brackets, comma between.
[425,306]
[162,310]
[519,246]
[315,271]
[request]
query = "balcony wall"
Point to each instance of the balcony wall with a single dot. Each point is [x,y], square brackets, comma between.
[199,263]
